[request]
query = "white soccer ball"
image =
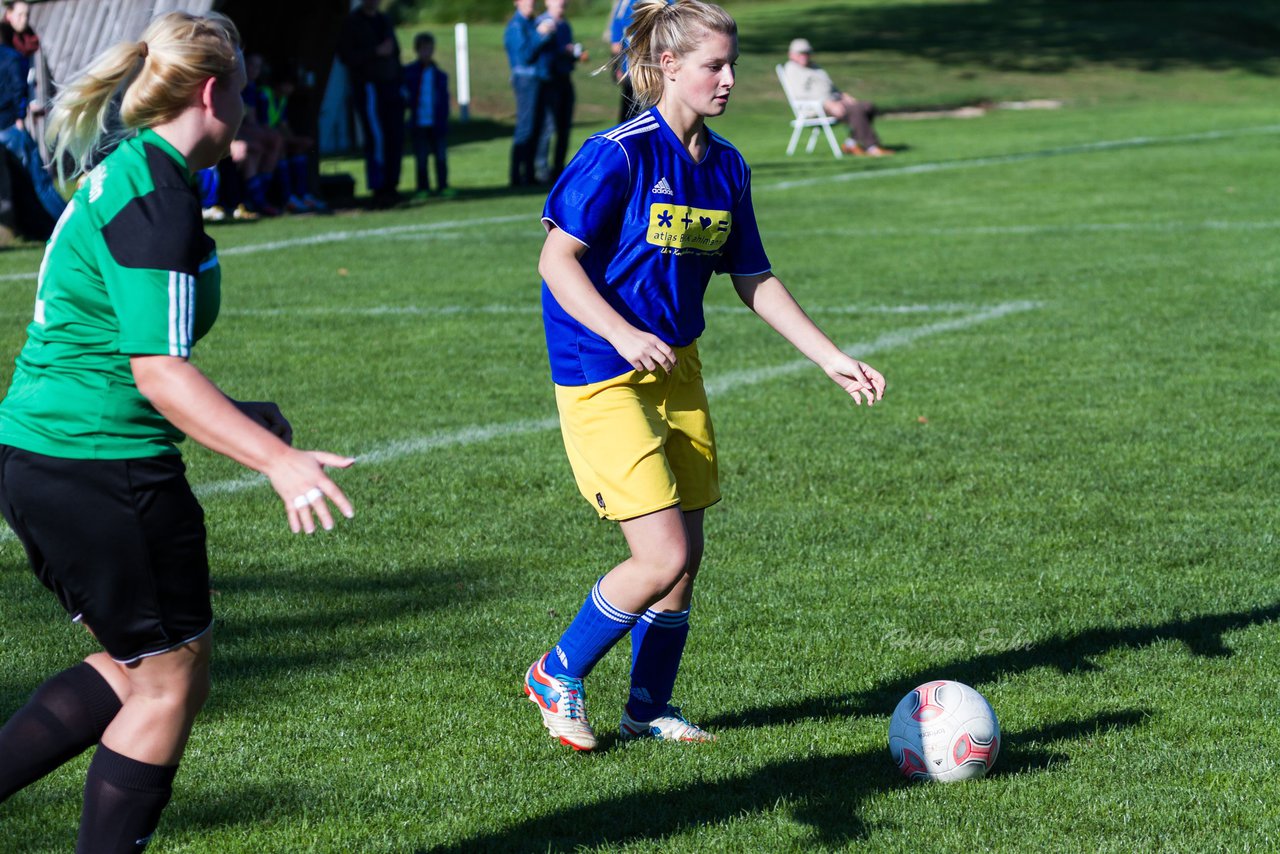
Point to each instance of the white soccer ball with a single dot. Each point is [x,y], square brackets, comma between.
[944,731]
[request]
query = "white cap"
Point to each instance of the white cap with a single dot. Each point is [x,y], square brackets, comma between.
[800,46]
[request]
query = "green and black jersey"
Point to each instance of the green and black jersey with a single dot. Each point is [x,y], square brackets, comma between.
[128,271]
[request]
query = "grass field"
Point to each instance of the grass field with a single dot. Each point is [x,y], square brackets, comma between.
[1067,499]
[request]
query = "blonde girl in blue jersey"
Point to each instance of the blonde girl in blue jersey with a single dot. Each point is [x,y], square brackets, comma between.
[641,219]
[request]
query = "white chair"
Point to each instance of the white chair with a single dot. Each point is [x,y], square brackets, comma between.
[808,114]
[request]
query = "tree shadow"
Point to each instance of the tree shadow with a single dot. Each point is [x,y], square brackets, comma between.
[1049,36]
[1067,654]
[827,793]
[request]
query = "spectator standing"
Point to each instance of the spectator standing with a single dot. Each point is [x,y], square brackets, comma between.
[426,95]
[369,50]
[807,80]
[14,136]
[557,93]
[527,42]
[16,30]
[616,35]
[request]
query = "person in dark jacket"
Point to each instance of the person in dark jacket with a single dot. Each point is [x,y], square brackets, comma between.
[369,50]
[526,42]
[13,133]
[426,95]
[557,93]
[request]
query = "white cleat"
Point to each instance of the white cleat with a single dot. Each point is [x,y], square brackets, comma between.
[563,703]
[668,726]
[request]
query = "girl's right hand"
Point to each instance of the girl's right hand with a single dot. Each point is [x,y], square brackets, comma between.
[645,352]
[298,478]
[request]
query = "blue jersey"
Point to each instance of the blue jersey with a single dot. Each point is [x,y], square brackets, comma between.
[656,226]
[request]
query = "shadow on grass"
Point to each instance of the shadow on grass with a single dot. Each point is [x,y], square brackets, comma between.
[1039,35]
[1068,654]
[827,793]
[325,618]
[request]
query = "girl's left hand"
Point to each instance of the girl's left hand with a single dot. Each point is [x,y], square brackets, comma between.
[857,378]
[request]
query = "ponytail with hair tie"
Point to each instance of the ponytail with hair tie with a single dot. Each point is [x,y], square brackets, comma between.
[121,92]
[660,26]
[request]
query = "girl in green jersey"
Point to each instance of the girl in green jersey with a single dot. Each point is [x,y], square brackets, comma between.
[90,477]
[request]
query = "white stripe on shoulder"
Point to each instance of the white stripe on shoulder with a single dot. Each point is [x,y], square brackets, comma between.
[644,119]
[604,138]
[636,132]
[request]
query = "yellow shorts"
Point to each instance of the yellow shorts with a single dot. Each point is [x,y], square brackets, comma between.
[642,442]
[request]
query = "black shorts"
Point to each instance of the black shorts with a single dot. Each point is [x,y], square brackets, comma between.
[120,542]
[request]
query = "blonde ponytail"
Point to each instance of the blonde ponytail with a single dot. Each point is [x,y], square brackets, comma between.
[658,27]
[139,84]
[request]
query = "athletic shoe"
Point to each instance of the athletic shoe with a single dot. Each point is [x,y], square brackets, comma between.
[296,205]
[563,704]
[448,193]
[852,148]
[668,726]
[316,204]
[214,213]
[243,214]
[877,151]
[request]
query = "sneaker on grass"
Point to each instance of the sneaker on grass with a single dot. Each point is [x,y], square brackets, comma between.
[668,726]
[563,704]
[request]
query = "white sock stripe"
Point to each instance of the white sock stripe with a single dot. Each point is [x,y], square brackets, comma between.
[666,619]
[616,614]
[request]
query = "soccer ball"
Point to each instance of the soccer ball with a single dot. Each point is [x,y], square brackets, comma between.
[944,731]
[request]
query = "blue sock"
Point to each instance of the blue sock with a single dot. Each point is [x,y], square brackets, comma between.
[592,633]
[657,643]
[300,174]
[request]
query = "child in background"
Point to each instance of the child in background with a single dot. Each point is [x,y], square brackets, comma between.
[426,95]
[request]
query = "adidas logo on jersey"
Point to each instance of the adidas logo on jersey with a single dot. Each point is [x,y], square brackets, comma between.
[662,188]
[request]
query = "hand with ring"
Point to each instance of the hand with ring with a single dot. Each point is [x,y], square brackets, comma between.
[298,478]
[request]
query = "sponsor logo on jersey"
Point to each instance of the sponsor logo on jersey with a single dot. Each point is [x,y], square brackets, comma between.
[679,228]
[662,188]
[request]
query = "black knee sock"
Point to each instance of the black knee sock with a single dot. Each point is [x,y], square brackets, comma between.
[64,717]
[123,799]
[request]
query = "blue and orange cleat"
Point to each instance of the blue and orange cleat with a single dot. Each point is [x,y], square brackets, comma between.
[563,703]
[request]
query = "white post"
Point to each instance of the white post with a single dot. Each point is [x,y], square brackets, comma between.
[464,71]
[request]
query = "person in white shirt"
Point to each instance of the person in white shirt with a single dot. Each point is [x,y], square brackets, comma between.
[808,81]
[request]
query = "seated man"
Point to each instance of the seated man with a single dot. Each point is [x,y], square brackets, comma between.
[807,81]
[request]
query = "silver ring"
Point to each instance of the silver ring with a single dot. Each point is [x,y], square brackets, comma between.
[300,502]
[313,494]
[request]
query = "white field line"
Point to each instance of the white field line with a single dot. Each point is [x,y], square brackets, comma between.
[1001,159]
[732,381]
[958,231]
[1064,228]
[533,310]
[366,233]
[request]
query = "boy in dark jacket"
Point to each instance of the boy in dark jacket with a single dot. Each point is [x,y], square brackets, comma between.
[426,95]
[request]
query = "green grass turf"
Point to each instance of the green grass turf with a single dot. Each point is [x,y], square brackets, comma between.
[1070,505]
